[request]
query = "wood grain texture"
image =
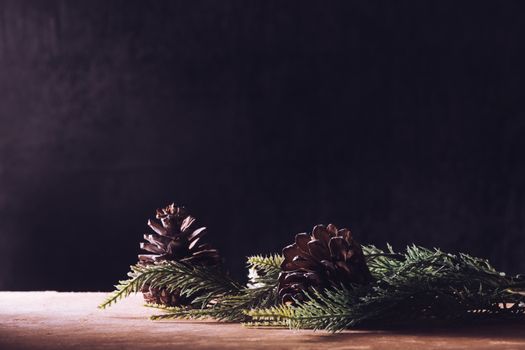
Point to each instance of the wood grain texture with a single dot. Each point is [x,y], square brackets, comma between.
[51,320]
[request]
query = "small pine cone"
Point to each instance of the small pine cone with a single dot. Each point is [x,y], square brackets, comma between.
[173,239]
[327,257]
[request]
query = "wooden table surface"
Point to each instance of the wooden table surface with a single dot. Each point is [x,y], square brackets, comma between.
[51,320]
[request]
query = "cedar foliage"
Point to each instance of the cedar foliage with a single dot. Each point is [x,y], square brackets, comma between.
[415,286]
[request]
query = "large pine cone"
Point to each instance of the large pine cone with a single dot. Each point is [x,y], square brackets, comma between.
[327,257]
[174,240]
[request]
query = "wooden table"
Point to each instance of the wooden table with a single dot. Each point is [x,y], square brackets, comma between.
[51,320]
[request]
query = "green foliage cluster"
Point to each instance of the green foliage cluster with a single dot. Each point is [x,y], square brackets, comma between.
[418,285]
[259,293]
[203,282]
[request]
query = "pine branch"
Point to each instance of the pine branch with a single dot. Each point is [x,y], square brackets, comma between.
[178,312]
[270,265]
[273,316]
[260,292]
[328,310]
[420,285]
[229,308]
[266,324]
[206,282]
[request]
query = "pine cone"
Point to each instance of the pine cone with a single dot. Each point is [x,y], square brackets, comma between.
[174,240]
[328,257]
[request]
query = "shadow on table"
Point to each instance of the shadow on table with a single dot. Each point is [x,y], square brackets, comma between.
[494,331]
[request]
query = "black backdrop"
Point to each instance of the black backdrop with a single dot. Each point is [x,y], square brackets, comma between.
[402,120]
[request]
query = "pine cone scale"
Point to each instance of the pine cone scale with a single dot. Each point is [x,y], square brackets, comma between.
[318,250]
[301,240]
[186,223]
[147,258]
[301,263]
[157,239]
[321,233]
[338,247]
[151,248]
[197,234]
[157,228]
[290,252]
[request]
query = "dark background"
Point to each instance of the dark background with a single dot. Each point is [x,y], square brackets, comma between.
[402,120]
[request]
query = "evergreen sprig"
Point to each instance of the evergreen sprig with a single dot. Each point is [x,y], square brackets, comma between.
[269,265]
[418,285]
[230,308]
[203,281]
[328,310]
[260,292]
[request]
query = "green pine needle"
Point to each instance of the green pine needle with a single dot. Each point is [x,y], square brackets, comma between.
[270,264]
[420,285]
[207,282]
[260,292]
